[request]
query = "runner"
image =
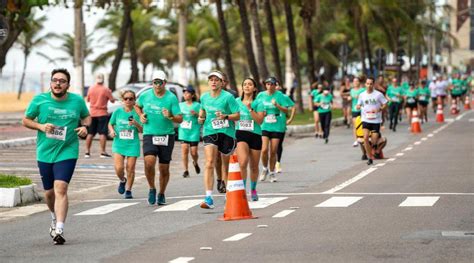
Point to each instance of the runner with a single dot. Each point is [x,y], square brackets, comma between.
[55,115]
[324,103]
[394,94]
[218,112]
[441,90]
[189,132]
[158,109]
[314,93]
[274,125]
[125,123]
[356,90]
[287,120]
[380,86]
[434,96]
[372,103]
[345,91]
[423,100]
[457,91]
[411,99]
[249,134]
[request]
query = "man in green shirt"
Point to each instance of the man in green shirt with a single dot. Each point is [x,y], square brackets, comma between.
[457,90]
[158,108]
[55,115]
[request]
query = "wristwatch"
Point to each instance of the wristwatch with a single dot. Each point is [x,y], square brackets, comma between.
[226,117]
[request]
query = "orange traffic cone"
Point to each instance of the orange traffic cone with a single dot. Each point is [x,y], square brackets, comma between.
[439,114]
[236,206]
[467,103]
[454,109]
[415,122]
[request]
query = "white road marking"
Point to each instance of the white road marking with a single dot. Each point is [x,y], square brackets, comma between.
[181,260]
[417,143]
[105,209]
[339,201]
[430,135]
[264,202]
[471,120]
[205,248]
[419,201]
[391,159]
[424,139]
[408,149]
[183,205]
[283,213]
[459,117]
[380,164]
[449,120]
[237,237]
[350,181]
[262,226]
[399,154]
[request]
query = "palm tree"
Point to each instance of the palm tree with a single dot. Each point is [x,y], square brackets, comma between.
[67,46]
[262,63]
[226,45]
[307,12]
[273,39]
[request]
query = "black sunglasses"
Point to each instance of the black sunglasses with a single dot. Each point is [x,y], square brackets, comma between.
[129,98]
[158,82]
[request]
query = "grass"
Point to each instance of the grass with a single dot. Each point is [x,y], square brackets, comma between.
[307,117]
[11,181]
[10,103]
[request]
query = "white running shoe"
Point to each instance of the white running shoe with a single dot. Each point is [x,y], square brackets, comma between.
[263,174]
[59,237]
[273,178]
[52,228]
[355,144]
[278,167]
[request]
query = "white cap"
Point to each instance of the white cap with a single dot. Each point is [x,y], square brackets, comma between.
[99,78]
[159,75]
[217,74]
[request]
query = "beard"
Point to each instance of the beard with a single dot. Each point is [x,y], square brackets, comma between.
[59,94]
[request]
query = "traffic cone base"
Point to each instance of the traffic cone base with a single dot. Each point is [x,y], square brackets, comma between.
[415,122]
[439,114]
[467,104]
[236,206]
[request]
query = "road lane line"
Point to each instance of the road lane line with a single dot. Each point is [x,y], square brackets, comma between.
[471,120]
[181,260]
[459,117]
[408,149]
[283,213]
[237,237]
[380,164]
[417,143]
[424,139]
[264,202]
[339,201]
[183,205]
[399,154]
[105,209]
[391,159]
[351,181]
[415,201]
[430,135]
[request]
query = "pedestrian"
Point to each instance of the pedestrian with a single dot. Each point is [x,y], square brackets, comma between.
[273,127]
[314,93]
[371,103]
[249,134]
[442,86]
[158,109]
[287,119]
[345,91]
[218,112]
[124,128]
[324,103]
[356,90]
[394,95]
[434,96]
[411,99]
[457,91]
[189,131]
[98,96]
[423,100]
[55,115]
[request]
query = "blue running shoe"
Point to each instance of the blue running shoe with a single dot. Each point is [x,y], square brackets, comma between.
[161,199]
[208,203]
[152,196]
[128,195]
[121,187]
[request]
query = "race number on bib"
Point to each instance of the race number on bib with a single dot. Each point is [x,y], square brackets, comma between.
[271,118]
[186,124]
[422,98]
[219,124]
[324,106]
[371,115]
[411,100]
[246,125]
[160,140]
[126,134]
[58,133]
[395,99]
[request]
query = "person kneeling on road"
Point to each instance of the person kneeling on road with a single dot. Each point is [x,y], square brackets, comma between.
[378,147]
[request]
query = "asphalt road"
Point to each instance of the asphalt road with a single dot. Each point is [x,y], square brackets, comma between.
[328,206]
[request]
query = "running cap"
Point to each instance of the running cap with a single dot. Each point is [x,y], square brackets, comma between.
[217,74]
[271,80]
[159,75]
[190,89]
[99,78]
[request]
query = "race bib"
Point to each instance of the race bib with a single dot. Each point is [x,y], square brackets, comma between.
[422,97]
[160,140]
[410,100]
[325,106]
[219,124]
[126,134]
[395,99]
[186,124]
[371,115]
[271,118]
[58,133]
[246,125]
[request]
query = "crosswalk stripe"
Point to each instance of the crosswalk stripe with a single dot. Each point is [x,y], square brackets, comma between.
[413,201]
[183,205]
[339,201]
[237,237]
[181,260]
[264,202]
[283,213]
[105,209]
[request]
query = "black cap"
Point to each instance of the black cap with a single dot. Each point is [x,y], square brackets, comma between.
[271,80]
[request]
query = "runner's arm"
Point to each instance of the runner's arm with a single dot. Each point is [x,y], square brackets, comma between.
[111,130]
[32,124]
[292,115]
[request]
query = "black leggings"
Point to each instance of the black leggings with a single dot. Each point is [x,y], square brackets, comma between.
[325,120]
[394,110]
[280,148]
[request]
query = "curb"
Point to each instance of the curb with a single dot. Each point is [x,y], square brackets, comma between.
[309,128]
[17,142]
[11,197]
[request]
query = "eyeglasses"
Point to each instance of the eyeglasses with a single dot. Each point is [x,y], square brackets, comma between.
[158,82]
[129,98]
[61,81]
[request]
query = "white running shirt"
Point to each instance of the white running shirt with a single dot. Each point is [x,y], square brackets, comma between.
[370,106]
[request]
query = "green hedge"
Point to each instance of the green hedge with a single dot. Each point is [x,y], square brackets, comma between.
[11,181]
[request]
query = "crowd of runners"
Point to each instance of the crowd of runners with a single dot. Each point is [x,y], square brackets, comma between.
[251,125]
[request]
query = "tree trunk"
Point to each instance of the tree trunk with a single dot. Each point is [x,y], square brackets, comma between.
[226,46]
[367,48]
[16,26]
[248,43]
[144,66]
[294,56]
[196,80]
[262,62]
[120,44]
[307,11]
[133,54]
[361,48]
[79,27]
[183,20]
[273,40]
[25,62]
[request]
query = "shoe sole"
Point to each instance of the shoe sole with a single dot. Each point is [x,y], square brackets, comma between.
[206,206]
[105,157]
[59,240]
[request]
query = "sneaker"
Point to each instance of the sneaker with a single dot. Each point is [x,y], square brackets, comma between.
[263,174]
[105,155]
[273,178]
[161,199]
[128,194]
[370,161]
[221,188]
[121,187]
[326,141]
[152,196]
[59,237]
[364,157]
[355,144]
[87,155]
[52,228]
[197,168]
[254,195]
[186,174]
[278,167]
[208,203]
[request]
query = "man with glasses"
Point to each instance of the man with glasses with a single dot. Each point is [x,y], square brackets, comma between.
[158,108]
[55,115]
[98,96]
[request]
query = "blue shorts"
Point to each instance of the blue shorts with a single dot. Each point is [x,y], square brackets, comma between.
[61,170]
